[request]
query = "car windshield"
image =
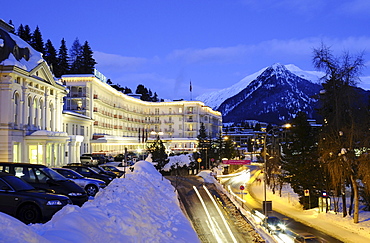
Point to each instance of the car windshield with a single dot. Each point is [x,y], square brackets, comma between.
[52,174]
[111,168]
[18,184]
[95,169]
[101,169]
[70,174]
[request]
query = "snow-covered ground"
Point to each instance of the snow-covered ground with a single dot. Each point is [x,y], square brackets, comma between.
[333,224]
[142,207]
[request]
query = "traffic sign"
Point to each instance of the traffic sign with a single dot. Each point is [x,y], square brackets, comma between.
[199,160]
[241,187]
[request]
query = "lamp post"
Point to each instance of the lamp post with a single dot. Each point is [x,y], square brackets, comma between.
[264,205]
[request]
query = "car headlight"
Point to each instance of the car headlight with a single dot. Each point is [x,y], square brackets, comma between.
[110,178]
[273,227]
[74,194]
[282,226]
[54,203]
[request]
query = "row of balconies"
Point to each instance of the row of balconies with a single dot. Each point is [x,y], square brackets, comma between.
[125,108]
[134,129]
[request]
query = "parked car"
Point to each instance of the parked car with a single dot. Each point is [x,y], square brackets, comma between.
[113,169]
[98,169]
[105,172]
[42,177]
[99,158]
[88,160]
[119,158]
[130,157]
[306,237]
[89,172]
[273,224]
[91,186]
[22,201]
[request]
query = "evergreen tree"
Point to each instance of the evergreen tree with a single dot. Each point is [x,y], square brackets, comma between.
[228,151]
[20,31]
[127,90]
[155,97]
[300,161]
[86,60]
[144,92]
[36,41]
[63,65]
[24,33]
[158,151]
[50,55]
[203,144]
[74,52]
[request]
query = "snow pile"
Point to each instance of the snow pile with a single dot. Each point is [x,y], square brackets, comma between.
[139,208]
[179,160]
[207,176]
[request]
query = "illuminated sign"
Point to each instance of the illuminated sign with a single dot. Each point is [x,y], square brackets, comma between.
[236,162]
[100,76]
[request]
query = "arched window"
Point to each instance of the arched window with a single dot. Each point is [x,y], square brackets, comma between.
[16,108]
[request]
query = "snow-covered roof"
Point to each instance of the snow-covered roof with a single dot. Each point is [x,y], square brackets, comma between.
[19,52]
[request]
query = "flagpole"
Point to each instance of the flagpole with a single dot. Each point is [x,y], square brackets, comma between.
[191,93]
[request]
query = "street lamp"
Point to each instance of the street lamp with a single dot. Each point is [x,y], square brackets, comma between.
[265,165]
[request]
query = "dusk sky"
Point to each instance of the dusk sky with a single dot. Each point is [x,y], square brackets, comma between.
[163,44]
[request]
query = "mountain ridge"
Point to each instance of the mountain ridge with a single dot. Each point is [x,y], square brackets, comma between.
[273,94]
[216,98]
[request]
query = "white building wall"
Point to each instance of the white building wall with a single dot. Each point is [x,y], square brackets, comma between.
[119,118]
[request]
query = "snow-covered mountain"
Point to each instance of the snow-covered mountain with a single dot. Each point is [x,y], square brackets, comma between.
[276,95]
[215,99]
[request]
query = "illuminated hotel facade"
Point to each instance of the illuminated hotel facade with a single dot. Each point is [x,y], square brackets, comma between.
[122,121]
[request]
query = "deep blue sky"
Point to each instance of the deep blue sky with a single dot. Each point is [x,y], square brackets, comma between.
[164,44]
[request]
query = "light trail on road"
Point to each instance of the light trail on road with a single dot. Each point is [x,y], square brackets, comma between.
[213,227]
[216,230]
[221,214]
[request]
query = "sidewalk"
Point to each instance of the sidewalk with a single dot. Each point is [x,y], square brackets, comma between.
[332,224]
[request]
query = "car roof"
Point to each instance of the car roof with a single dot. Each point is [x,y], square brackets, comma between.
[60,168]
[22,164]
[2,174]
